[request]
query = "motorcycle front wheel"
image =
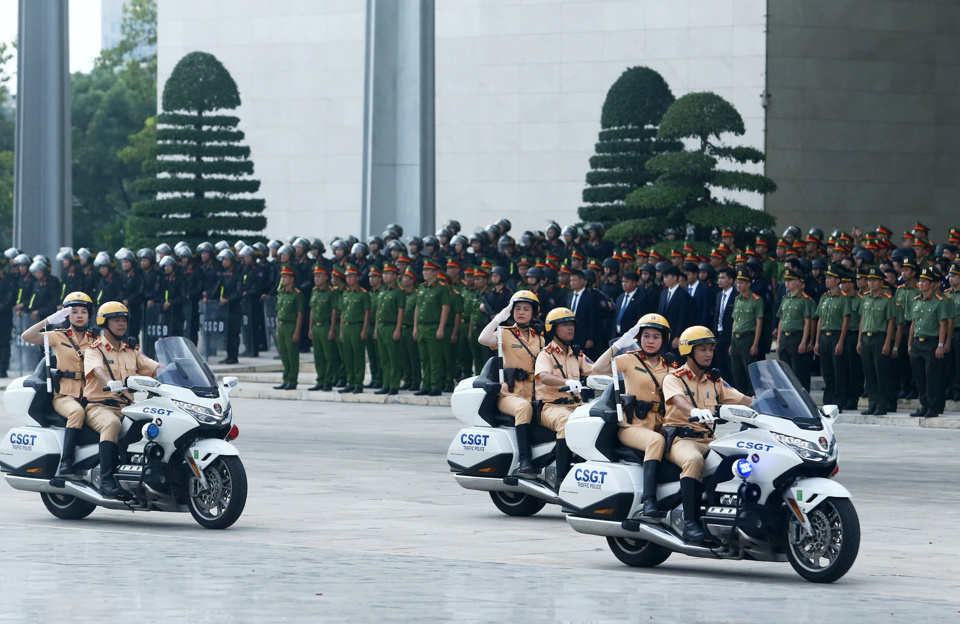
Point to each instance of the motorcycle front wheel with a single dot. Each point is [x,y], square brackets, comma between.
[830,552]
[220,504]
[514,504]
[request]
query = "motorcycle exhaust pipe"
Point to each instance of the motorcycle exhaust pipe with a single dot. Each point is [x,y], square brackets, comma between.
[639,530]
[70,488]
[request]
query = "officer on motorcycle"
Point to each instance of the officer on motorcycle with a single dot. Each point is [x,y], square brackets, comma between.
[693,391]
[106,364]
[521,345]
[563,357]
[643,372]
[68,345]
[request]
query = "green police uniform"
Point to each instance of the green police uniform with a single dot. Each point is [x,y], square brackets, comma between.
[952,382]
[451,368]
[876,312]
[831,311]
[409,351]
[854,365]
[326,356]
[289,305]
[747,308]
[793,314]
[389,303]
[904,297]
[370,345]
[432,298]
[472,317]
[927,313]
[354,308]
[463,358]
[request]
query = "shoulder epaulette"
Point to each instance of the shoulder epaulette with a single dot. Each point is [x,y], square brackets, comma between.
[939,297]
[295,289]
[901,286]
[755,297]
[803,294]
[917,297]
[363,289]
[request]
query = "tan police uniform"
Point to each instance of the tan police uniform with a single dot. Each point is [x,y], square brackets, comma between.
[688,452]
[69,347]
[520,350]
[643,381]
[103,407]
[560,360]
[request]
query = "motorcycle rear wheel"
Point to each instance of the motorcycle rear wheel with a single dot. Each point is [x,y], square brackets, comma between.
[67,507]
[514,504]
[637,553]
[221,504]
[830,552]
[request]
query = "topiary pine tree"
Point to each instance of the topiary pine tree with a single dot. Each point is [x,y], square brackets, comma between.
[200,175]
[682,194]
[628,138]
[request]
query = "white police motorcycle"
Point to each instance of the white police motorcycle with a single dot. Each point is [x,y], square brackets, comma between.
[767,488]
[175,450]
[484,456]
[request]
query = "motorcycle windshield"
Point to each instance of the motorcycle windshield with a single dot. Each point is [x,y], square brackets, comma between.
[183,366]
[779,393]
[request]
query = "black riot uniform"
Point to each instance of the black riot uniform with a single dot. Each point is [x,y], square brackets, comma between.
[132,290]
[255,284]
[108,288]
[191,279]
[74,280]
[7,293]
[45,297]
[173,288]
[230,287]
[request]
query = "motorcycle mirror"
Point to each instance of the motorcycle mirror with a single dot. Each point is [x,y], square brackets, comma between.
[139,383]
[599,382]
[830,411]
[230,382]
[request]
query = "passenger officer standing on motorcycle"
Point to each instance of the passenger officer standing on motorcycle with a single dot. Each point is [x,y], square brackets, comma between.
[106,364]
[521,346]
[693,391]
[559,364]
[68,345]
[643,372]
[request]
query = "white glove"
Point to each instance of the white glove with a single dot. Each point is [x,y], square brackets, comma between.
[627,339]
[573,386]
[703,415]
[115,386]
[58,317]
[503,314]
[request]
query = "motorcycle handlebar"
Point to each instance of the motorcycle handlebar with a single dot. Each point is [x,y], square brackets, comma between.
[563,389]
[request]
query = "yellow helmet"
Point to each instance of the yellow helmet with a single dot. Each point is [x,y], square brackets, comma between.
[78,299]
[698,334]
[655,321]
[111,309]
[526,295]
[557,316]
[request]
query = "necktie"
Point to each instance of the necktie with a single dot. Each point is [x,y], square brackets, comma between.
[623,308]
[690,290]
[576,300]
[723,307]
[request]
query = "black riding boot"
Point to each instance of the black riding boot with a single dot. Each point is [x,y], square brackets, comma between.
[564,458]
[650,511]
[525,466]
[689,494]
[108,466]
[70,436]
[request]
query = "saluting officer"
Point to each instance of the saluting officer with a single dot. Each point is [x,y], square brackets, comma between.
[833,313]
[68,345]
[747,327]
[795,331]
[354,329]
[929,312]
[323,303]
[433,310]
[878,316]
[289,323]
[389,329]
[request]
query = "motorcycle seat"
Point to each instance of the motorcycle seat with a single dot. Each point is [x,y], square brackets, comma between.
[667,472]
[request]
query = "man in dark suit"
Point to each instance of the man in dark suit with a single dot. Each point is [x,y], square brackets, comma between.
[586,307]
[702,302]
[676,305]
[629,304]
[721,320]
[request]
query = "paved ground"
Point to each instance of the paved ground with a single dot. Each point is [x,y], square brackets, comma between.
[352,516]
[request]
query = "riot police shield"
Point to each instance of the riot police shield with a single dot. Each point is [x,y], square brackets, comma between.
[155,326]
[24,357]
[248,346]
[213,328]
[270,319]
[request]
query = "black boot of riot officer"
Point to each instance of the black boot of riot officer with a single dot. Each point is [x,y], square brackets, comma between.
[525,466]
[650,512]
[690,496]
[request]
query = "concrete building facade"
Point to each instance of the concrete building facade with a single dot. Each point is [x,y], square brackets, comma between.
[853,100]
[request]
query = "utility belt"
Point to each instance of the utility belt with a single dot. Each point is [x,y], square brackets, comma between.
[512,375]
[107,402]
[798,332]
[385,324]
[878,334]
[672,433]
[321,323]
[926,338]
[62,374]
[744,334]
[632,408]
[346,323]
[423,324]
[565,401]
[830,332]
[283,322]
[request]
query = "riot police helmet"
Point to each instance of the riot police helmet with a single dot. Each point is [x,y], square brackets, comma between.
[245,251]
[272,245]
[453,225]
[102,260]
[337,244]
[168,261]
[205,246]
[11,253]
[414,240]
[184,251]
[459,239]
[611,263]
[501,271]
[42,258]
[359,249]
[285,249]
[394,245]
[396,227]
[506,242]
[84,254]
[375,240]
[350,241]
[66,253]
[21,260]
[146,253]
[536,272]
[550,275]
[648,267]
[260,248]
[865,256]
[226,254]
[819,263]
[570,231]
[124,254]
[444,233]
[430,241]
[163,248]
[39,266]
[504,225]
[221,245]
[555,227]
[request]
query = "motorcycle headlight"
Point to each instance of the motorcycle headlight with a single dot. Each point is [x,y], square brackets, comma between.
[203,415]
[805,449]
